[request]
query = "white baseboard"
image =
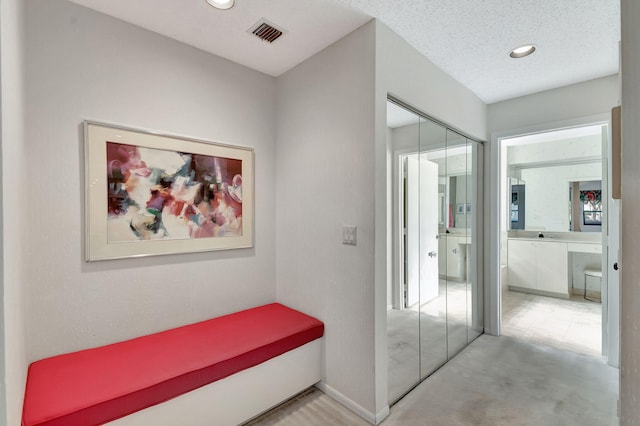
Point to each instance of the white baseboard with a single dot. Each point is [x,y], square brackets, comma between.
[382,414]
[372,418]
[539,292]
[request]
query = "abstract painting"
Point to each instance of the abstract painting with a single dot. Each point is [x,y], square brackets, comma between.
[149,193]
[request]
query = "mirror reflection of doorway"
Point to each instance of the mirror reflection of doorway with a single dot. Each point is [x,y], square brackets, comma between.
[434,303]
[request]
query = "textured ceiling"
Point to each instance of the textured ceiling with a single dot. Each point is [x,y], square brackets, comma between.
[309,26]
[577,40]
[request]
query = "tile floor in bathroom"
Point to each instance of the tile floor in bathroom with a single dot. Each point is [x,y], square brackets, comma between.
[573,324]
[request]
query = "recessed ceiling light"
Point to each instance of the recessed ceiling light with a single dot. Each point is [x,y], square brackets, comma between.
[222,4]
[522,51]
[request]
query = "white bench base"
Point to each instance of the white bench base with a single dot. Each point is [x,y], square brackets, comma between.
[240,397]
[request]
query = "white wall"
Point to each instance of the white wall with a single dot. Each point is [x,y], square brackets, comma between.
[407,75]
[552,106]
[15,257]
[410,77]
[85,65]
[324,180]
[630,285]
[580,148]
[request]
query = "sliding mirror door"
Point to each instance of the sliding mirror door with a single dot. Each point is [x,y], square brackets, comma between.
[457,241]
[433,297]
[434,304]
[403,335]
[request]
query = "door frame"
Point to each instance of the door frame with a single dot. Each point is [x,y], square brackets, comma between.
[493,163]
[397,290]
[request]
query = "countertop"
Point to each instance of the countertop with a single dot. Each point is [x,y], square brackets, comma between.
[554,240]
[558,237]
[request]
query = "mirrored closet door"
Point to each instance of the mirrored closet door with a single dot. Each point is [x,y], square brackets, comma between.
[434,299]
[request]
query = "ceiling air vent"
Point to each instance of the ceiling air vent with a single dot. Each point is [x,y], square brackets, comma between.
[266,31]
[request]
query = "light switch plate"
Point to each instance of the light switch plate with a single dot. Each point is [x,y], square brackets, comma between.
[349,235]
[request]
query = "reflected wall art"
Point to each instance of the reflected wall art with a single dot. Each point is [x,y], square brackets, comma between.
[149,193]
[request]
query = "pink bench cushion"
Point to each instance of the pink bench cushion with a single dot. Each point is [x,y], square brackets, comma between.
[98,385]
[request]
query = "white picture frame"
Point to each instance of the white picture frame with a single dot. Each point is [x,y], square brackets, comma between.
[200,194]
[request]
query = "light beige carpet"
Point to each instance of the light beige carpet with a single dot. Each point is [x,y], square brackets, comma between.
[495,381]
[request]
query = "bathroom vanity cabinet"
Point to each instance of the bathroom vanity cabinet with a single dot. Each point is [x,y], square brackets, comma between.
[551,266]
[539,266]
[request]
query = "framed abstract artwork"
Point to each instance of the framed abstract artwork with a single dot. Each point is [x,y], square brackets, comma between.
[150,194]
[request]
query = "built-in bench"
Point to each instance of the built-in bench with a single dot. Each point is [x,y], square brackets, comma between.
[223,371]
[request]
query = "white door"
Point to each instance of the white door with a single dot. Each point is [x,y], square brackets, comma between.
[610,276]
[422,230]
[611,314]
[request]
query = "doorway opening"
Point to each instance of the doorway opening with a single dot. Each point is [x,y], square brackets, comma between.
[554,231]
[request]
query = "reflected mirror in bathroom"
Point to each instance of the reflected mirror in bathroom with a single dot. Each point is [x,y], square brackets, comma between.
[553,168]
[517,211]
